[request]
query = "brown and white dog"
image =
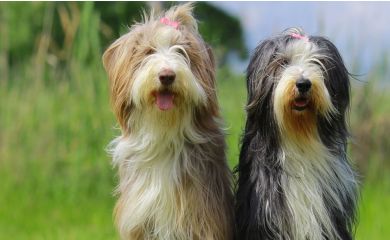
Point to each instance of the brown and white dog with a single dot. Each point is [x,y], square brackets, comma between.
[174,182]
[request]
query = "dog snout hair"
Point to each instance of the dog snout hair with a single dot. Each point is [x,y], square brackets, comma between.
[166,76]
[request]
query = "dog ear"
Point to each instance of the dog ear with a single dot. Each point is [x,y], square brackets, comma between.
[115,61]
[114,51]
[183,14]
[211,64]
[210,53]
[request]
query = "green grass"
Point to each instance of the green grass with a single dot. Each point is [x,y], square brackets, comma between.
[374,218]
[56,179]
[232,100]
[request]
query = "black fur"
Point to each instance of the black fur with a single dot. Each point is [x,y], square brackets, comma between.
[261,211]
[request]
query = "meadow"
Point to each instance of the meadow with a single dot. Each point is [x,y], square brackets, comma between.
[56,179]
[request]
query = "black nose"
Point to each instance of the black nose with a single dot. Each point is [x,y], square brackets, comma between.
[166,76]
[303,85]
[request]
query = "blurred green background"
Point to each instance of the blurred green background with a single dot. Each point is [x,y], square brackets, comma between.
[56,180]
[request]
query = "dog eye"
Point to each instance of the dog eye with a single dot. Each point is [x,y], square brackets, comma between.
[150,51]
[181,52]
[283,62]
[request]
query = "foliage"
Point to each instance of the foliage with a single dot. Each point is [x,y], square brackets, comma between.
[226,39]
[370,117]
[58,28]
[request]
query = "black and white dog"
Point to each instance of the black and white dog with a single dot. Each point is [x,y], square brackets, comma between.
[295,181]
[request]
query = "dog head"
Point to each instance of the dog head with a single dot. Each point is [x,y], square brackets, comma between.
[301,79]
[161,67]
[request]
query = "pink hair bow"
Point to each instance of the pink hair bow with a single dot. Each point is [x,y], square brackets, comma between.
[299,36]
[168,22]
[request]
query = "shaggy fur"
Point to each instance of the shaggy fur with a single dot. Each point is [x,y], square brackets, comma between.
[295,181]
[174,180]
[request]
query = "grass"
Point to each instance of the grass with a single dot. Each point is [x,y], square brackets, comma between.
[56,177]
[232,99]
[374,208]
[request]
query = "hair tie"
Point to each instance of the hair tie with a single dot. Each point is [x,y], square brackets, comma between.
[299,36]
[168,22]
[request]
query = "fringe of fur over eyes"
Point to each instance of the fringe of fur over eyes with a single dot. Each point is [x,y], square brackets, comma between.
[295,181]
[174,182]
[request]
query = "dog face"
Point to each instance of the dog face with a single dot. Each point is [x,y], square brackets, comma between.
[304,79]
[162,67]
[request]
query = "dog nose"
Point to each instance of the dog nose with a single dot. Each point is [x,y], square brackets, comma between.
[303,85]
[166,76]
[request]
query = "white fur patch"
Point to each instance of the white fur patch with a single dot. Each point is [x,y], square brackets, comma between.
[310,174]
[151,162]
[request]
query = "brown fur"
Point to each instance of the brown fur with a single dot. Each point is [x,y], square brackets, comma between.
[300,126]
[202,194]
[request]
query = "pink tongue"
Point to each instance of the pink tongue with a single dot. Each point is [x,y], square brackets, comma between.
[164,100]
[300,102]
